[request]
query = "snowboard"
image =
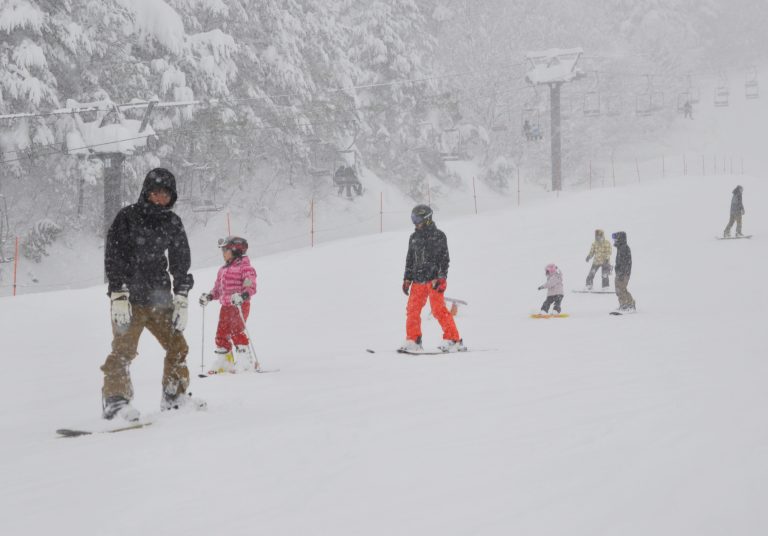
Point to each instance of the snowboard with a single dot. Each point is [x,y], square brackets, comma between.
[617,313]
[538,315]
[602,291]
[116,427]
[733,237]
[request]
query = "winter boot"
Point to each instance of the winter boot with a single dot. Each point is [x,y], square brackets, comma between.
[243,359]
[184,401]
[412,346]
[117,406]
[449,346]
[224,362]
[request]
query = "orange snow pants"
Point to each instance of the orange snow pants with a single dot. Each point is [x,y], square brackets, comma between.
[420,293]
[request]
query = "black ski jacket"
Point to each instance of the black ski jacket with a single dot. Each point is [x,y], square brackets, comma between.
[137,242]
[427,257]
[623,266]
[737,205]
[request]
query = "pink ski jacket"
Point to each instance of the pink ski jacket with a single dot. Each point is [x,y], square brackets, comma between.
[234,278]
[554,284]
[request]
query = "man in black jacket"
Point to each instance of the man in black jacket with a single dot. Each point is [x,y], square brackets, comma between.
[140,287]
[737,211]
[623,270]
[426,272]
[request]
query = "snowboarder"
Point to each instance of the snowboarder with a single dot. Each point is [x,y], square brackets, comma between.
[600,254]
[235,285]
[426,272]
[737,211]
[554,286]
[137,270]
[623,271]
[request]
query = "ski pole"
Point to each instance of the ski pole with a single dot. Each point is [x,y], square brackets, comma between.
[250,341]
[202,346]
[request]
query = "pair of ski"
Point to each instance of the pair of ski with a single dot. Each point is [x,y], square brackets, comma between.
[539,315]
[226,373]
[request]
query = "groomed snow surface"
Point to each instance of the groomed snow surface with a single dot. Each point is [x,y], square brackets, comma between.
[593,425]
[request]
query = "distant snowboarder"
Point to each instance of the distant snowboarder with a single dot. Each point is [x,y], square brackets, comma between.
[554,286]
[623,272]
[737,211]
[600,254]
[426,272]
[234,287]
[145,242]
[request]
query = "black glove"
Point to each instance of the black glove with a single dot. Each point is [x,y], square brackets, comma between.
[205,298]
[542,287]
[406,286]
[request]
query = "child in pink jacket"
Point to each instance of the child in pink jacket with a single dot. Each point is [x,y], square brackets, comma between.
[554,286]
[235,285]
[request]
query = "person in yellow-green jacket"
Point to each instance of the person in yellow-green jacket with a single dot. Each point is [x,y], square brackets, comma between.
[600,255]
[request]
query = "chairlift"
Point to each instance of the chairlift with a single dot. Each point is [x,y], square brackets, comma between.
[531,125]
[613,105]
[650,100]
[500,123]
[195,191]
[450,144]
[751,86]
[592,104]
[722,95]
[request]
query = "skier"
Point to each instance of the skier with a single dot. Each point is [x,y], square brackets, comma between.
[737,211]
[235,285]
[554,286]
[426,272]
[345,178]
[600,254]
[137,271]
[623,271]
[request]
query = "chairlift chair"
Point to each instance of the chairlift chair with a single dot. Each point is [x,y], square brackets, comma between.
[613,105]
[682,99]
[450,144]
[643,104]
[592,104]
[722,95]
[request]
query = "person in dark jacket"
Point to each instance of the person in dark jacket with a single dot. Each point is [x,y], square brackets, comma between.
[146,246]
[426,272]
[737,211]
[623,270]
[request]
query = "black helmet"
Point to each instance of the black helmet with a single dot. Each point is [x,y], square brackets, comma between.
[237,245]
[421,213]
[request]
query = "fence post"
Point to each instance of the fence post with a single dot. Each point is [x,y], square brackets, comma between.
[381,213]
[590,174]
[613,171]
[15,264]
[518,186]
[229,226]
[474,190]
[312,222]
[429,194]
[637,168]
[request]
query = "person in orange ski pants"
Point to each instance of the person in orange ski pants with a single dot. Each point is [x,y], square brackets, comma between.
[426,272]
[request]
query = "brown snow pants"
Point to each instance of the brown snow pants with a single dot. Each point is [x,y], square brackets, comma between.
[735,218]
[125,341]
[625,298]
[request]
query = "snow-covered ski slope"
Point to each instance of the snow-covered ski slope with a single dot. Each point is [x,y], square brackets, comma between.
[592,425]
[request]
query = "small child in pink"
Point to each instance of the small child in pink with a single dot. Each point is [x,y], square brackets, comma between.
[235,285]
